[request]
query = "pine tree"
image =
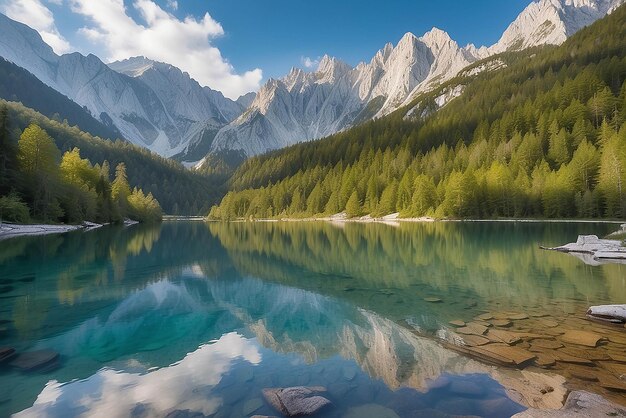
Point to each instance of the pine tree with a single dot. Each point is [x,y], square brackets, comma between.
[120,190]
[37,159]
[8,154]
[353,207]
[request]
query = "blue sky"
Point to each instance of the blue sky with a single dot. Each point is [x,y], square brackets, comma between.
[235,45]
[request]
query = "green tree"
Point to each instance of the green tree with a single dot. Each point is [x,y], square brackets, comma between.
[353,207]
[37,158]
[120,190]
[8,154]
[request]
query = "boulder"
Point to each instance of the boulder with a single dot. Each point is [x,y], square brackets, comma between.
[36,360]
[611,313]
[296,401]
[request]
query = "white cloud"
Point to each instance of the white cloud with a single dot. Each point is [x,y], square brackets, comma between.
[163,37]
[36,15]
[172,4]
[309,63]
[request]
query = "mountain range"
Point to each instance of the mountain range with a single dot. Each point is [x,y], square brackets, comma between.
[159,107]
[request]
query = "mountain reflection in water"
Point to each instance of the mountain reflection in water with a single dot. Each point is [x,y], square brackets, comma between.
[196,317]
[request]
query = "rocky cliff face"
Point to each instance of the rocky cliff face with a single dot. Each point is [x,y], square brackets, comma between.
[304,106]
[152,104]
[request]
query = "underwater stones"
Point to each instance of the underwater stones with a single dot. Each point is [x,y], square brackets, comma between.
[517,316]
[566,358]
[545,344]
[433,300]
[544,360]
[473,329]
[503,354]
[481,323]
[501,323]
[6,353]
[586,338]
[36,360]
[485,317]
[580,404]
[475,340]
[617,369]
[251,405]
[506,337]
[457,323]
[593,355]
[371,411]
[581,373]
[295,401]
[548,323]
[617,357]
[613,384]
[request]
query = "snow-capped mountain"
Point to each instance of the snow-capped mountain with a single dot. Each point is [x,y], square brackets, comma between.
[153,105]
[157,106]
[552,22]
[303,106]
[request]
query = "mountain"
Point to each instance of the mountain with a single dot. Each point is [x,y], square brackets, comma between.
[151,104]
[18,85]
[540,136]
[303,106]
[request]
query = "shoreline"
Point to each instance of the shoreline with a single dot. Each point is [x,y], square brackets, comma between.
[390,219]
[10,230]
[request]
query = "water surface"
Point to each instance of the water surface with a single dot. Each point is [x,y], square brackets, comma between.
[151,321]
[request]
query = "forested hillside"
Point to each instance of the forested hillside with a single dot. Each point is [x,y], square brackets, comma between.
[36,182]
[179,191]
[543,137]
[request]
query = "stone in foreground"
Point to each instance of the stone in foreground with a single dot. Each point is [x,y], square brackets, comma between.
[296,401]
[611,313]
[579,404]
[586,338]
[36,360]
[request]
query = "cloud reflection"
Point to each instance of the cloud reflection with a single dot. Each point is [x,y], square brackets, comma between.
[184,385]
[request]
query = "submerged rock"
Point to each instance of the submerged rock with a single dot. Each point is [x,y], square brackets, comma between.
[6,353]
[580,404]
[42,360]
[586,338]
[296,401]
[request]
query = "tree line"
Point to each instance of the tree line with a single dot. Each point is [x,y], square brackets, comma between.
[178,190]
[39,183]
[543,137]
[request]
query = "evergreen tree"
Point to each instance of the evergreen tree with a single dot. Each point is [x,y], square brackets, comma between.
[120,190]
[37,158]
[8,154]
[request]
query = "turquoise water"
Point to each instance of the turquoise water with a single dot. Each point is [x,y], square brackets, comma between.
[151,321]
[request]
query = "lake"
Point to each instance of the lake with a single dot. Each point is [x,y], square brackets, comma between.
[187,319]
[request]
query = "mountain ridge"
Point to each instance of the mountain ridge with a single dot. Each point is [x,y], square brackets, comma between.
[140,107]
[393,78]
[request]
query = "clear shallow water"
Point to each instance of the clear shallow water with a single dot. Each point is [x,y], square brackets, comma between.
[201,318]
